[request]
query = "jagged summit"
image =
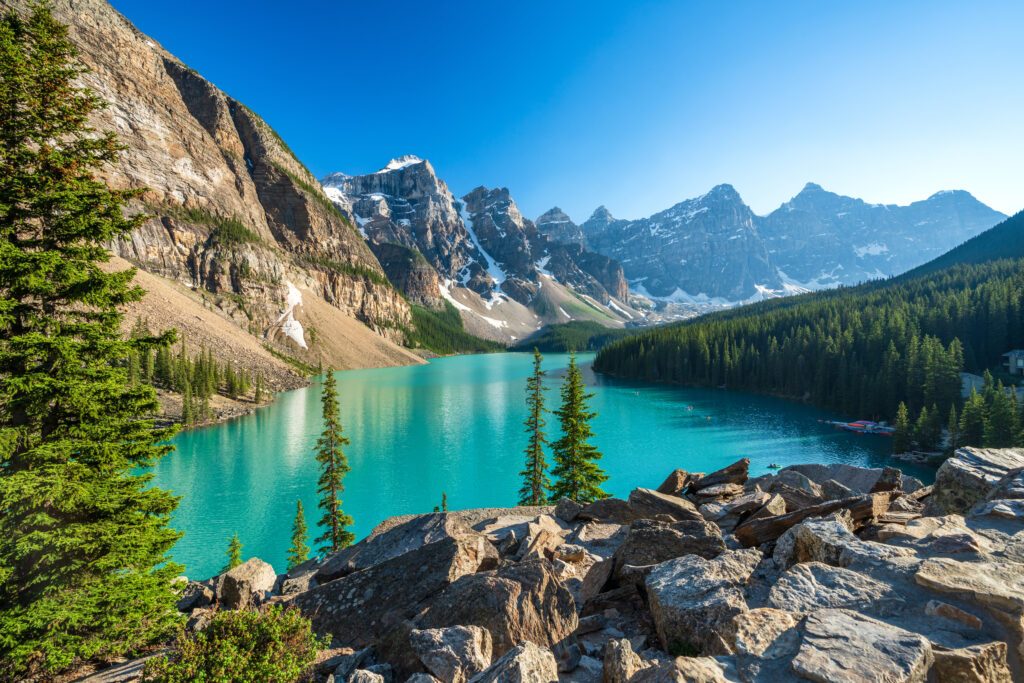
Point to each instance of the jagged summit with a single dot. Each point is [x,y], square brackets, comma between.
[401,162]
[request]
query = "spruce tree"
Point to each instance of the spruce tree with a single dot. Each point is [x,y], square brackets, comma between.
[299,551]
[333,467]
[84,540]
[1001,426]
[953,430]
[972,420]
[234,554]
[535,474]
[578,477]
[902,438]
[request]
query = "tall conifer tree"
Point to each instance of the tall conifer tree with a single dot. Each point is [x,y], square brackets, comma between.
[84,541]
[535,474]
[579,477]
[333,468]
[233,553]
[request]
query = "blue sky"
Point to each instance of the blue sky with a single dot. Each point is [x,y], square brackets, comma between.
[634,105]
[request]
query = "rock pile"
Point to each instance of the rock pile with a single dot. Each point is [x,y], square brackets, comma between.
[817,572]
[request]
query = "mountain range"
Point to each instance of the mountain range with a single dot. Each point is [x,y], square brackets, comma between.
[713,250]
[249,254]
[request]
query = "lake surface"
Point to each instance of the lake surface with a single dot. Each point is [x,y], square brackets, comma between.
[456,425]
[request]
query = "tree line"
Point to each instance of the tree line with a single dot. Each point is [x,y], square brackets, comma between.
[860,350]
[197,377]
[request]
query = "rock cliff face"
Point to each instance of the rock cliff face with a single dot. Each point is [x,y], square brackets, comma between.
[236,217]
[489,260]
[557,225]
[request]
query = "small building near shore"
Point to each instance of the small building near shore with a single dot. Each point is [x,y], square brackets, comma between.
[1014,361]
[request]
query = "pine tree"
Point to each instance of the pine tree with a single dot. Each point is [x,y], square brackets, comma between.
[299,551]
[333,467]
[579,478]
[234,553]
[902,438]
[84,540]
[535,475]
[953,430]
[1001,427]
[258,391]
[188,415]
[444,501]
[972,420]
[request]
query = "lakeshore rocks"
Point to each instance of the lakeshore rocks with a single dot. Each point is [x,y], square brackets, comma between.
[453,654]
[246,585]
[691,598]
[970,476]
[842,645]
[526,663]
[863,587]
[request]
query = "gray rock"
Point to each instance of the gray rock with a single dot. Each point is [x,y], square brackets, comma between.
[526,663]
[454,654]
[693,599]
[398,540]
[675,484]
[985,663]
[517,603]
[421,678]
[815,540]
[969,476]
[648,504]
[620,662]
[567,510]
[608,510]
[598,538]
[195,595]
[765,633]
[365,676]
[649,542]
[372,605]
[246,585]
[690,670]
[813,586]
[833,490]
[836,644]
[346,664]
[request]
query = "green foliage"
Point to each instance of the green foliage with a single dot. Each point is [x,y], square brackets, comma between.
[84,566]
[243,647]
[333,265]
[857,350]
[196,377]
[333,468]
[928,429]
[578,335]
[903,437]
[225,230]
[304,368]
[578,476]
[535,472]
[443,332]
[299,551]
[233,553]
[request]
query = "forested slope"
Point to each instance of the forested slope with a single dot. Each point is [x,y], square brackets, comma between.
[860,350]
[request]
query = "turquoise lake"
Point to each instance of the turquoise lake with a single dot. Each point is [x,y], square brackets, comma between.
[455,425]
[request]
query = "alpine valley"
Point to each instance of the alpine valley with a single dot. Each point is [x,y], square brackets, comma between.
[252,258]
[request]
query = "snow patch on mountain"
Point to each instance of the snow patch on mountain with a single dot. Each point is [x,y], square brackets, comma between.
[873,249]
[291,327]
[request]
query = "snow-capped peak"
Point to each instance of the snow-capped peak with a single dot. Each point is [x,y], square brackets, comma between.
[401,162]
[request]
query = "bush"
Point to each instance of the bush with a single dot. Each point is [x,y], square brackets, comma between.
[276,646]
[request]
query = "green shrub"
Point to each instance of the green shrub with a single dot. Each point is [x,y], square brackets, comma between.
[276,646]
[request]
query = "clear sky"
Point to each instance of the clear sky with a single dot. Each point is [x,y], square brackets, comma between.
[635,105]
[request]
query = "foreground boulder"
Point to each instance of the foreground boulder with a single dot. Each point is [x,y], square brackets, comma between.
[246,585]
[735,473]
[380,547]
[842,645]
[518,603]
[813,585]
[453,654]
[526,663]
[363,607]
[651,542]
[693,599]
[648,504]
[970,476]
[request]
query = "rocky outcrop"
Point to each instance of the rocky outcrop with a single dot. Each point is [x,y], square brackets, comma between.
[623,591]
[971,476]
[235,217]
[556,225]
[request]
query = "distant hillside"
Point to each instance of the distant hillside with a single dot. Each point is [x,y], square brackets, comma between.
[1005,240]
[860,350]
[578,335]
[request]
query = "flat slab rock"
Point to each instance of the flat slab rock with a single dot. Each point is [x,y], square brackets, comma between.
[526,663]
[996,584]
[812,586]
[842,646]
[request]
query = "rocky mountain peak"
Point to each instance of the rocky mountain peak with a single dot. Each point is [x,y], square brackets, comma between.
[401,162]
[557,225]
